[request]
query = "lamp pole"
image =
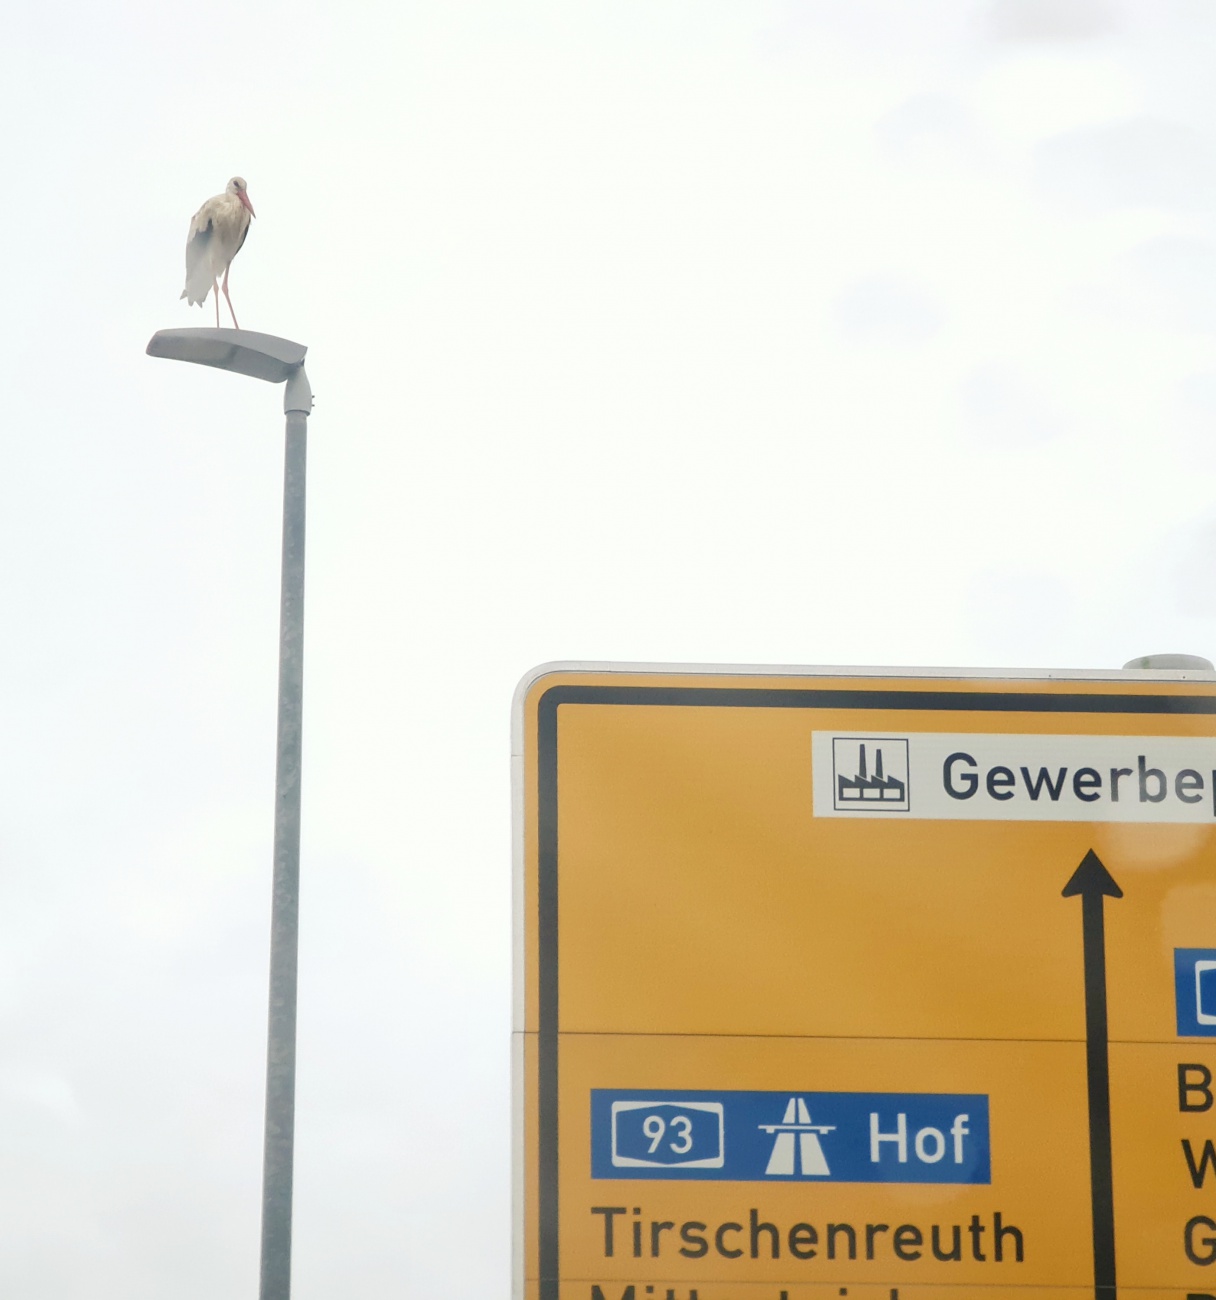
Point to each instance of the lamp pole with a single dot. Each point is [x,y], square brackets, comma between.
[278,361]
[278,1154]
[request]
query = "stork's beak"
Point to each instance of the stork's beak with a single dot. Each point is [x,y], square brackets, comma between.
[244,198]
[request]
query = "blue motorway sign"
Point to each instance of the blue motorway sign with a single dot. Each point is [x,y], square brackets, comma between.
[841,1137]
[1195,991]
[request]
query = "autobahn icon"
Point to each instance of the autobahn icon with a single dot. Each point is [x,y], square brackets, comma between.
[870,773]
[796,1142]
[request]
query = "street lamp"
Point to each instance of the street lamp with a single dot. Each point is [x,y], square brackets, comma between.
[278,361]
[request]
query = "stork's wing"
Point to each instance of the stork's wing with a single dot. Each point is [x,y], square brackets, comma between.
[199,276]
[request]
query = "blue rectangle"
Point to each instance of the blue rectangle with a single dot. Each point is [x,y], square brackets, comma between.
[1195,991]
[830,1137]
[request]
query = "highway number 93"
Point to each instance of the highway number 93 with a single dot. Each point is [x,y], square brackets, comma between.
[663,1134]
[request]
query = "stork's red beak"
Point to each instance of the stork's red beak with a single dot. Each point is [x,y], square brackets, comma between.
[244,198]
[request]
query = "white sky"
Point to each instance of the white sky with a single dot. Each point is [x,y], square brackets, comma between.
[823,331]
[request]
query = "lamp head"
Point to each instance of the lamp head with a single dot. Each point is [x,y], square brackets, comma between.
[245,352]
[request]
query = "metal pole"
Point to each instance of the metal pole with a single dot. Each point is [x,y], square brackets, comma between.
[285,904]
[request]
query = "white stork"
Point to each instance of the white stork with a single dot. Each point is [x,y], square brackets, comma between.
[216,235]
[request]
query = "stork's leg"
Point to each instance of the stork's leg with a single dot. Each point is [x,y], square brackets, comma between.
[215,293]
[217,306]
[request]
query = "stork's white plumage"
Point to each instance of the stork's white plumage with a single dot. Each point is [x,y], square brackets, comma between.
[216,235]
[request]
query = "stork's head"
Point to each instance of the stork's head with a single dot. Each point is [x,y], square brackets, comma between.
[238,187]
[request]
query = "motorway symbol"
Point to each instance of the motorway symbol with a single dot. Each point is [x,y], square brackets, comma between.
[796,1123]
[1093,884]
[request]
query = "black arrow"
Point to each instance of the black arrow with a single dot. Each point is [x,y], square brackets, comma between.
[1094,883]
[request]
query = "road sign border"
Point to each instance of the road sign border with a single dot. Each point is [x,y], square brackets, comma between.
[806,696]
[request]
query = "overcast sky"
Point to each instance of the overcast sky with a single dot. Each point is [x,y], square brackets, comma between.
[785,331]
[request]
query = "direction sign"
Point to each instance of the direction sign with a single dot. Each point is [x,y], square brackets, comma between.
[875,985]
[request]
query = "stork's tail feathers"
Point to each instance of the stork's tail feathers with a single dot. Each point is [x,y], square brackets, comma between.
[198,271]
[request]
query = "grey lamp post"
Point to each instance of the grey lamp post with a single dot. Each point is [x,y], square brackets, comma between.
[278,361]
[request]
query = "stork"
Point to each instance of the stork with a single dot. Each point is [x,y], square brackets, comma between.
[216,234]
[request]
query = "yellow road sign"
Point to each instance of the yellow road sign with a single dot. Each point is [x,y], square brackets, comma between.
[866,986]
